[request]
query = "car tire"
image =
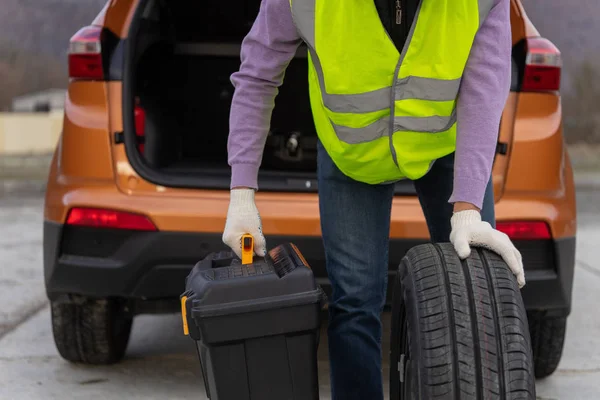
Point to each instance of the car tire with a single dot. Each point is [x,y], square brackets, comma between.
[90,331]
[547,339]
[459,329]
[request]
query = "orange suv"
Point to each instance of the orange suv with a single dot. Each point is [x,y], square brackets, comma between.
[138,188]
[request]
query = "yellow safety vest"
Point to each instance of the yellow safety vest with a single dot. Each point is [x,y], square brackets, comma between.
[382,115]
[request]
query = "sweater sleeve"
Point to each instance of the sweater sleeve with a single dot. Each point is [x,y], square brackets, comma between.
[266,52]
[481,101]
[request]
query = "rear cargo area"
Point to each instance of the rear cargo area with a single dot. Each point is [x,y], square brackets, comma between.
[186,94]
[184,54]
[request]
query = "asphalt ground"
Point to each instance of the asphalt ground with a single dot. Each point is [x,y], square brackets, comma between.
[161,363]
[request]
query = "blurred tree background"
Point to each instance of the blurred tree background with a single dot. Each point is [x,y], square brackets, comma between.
[34,36]
[581,104]
[23,72]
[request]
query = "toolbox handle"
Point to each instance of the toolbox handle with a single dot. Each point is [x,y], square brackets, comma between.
[247,248]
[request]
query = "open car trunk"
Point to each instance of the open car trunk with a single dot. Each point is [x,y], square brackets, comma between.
[185,92]
[177,71]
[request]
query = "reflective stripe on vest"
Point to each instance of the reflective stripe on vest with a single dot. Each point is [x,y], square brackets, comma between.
[372,92]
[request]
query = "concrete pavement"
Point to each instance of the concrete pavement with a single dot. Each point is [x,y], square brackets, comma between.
[21,280]
[161,363]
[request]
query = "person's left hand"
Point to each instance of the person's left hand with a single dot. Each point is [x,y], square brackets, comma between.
[469,230]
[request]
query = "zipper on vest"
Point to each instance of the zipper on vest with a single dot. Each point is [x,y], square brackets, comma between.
[399,28]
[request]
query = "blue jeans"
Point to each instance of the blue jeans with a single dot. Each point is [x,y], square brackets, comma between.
[355,221]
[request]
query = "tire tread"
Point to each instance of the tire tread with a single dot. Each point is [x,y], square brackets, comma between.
[548,337]
[467,325]
[92,332]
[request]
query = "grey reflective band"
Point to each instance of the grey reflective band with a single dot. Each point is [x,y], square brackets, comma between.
[303,14]
[381,127]
[361,103]
[434,124]
[414,87]
[369,133]
[408,88]
[485,6]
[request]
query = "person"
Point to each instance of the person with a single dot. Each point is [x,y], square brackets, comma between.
[399,89]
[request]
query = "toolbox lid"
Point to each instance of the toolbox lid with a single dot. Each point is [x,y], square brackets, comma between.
[220,285]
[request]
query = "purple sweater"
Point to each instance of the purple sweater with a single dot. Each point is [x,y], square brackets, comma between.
[270,46]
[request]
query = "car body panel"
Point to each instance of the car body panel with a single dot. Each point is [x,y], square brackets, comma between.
[282,214]
[538,146]
[82,158]
[117,16]
[524,27]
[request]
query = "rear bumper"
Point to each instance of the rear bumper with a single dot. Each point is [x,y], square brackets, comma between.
[154,265]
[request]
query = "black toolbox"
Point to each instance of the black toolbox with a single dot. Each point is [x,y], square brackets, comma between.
[256,325]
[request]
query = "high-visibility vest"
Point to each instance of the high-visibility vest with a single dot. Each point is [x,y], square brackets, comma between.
[383,115]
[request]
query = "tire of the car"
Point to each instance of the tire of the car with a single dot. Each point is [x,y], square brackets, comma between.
[91,331]
[459,329]
[547,341]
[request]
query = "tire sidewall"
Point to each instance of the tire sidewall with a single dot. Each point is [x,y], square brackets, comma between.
[404,295]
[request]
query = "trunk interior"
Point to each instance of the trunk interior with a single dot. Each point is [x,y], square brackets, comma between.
[181,58]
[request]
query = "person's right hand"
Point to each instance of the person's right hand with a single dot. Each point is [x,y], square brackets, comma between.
[243,218]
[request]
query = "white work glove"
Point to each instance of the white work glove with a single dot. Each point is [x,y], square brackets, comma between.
[468,229]
[243,218]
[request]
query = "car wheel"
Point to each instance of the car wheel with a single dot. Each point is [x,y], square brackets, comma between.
[548,338]
[459,329]
[91,331]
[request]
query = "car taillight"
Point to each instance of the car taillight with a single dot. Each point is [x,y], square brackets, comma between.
[102,218]
[543,64]
[85,54]
[140,126]
[524,230]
